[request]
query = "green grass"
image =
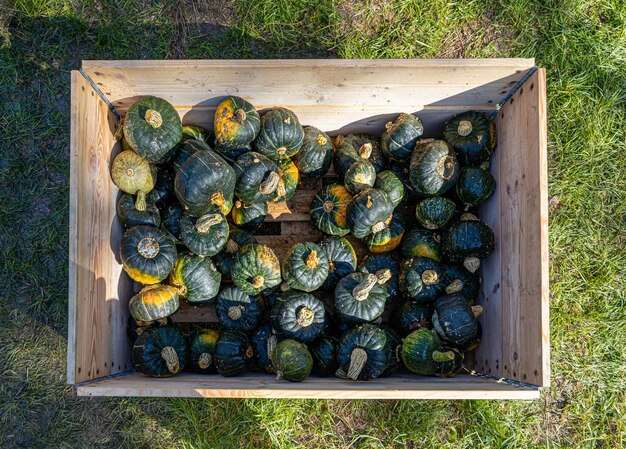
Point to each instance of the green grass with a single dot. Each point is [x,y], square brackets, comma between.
[581,43]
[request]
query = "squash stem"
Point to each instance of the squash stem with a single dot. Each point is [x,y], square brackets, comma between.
[270,184]
[153,118]
[454,287]
[358,359]
[232,246]
[168,354]
[140,202]
[441,357]
[379,227]
[271,345]
[234,312]
[258,281]
[362,291]
[321,140]
[240,116]
[328,206]
[465,128]
[472,264]
[383,276]
[305,317]
[148,247]
[477,310]
[217,199]
[365,151]
[468,217]
[204,223]
[205,360]
[312,261]
[430,277]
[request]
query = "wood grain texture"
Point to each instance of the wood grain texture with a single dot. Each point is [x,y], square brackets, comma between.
[191,314]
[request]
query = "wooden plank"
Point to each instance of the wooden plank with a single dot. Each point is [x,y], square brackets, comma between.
[191,314]
[265,386]
[296,209]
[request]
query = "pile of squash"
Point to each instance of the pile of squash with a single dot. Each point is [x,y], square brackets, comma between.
[193,201]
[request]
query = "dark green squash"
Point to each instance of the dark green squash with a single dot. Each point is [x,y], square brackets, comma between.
[281,134]
[292,361]
[236,310]
[364,353]
[236,122]
[202,344]
[475,185]
[288,183]
[135,328]
[206,235]
[388,182]
[225,259]
[163,191]
[133,174]
[263,341]
[472,135]
[386,270]
[248,216]
[148,254]
[434,168]
[400,137]
[257,178]
[367,212]
[401,170]
[359,176]
[256,269]
[359,298]
[422,279]
[422,352]
[196,279]
[468,241]
[341,260]
[328,210]
[435,212]
[455,320]
[462,282]
[473,342]
[185,150]
[450,368]
[197,133]
[205,182]
[129,216]
[172,214]
[299,316]
[411,315]
[231,154]
[396,348]
[160,352]
[388,238]
[305,267]
[316,154]
[422,243]
[232,353]
[324,353]
[354,147]
[152,128]
[154,302]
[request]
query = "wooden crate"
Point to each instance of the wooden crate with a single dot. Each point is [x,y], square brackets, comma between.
[339,96]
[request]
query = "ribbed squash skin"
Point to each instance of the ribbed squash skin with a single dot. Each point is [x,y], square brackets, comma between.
[475,185]
[148,254]
[328,210]
[281,134]
[248,216]
[225,259]
[354,311]
[236,310]
[231,353]
[324,353]
[388,182]
[287,315]
[411,316]
[374,263]
[252,261]
[236,122]
[389,238]
[452,367]
[202,344]
[204,241]
[422,279]
[402,134]
[341,260]
[133,174]
[350,149]
[462,282]
[252,170]
[417,352]
[359,176]
[305,267]
[395,343]
[184,150]
[129,216]
[434,168]
[289,178]
[146,352]
[231,154]
[477,146]
[196,279]
[197,133]
[292,361]
[368,208]
[435,212]
[454,320]
[154,302]
[171,216]
[135,328]
[163,191]
[422,243]
[401,170]
[259,340]
[316,154]
[468,239]
[374,341]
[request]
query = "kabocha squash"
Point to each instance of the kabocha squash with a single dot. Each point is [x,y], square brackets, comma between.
[133,174]
[248,216]
[292,361]
[388,182]
[236,122]
[359,176]
[363,353]
[472,135]
[185,150]
[300,316]
[359,298]
[148,254]
[341,260]
[305,267]
[172,214]
[288,182]
[257,178]
[152,128]
[281,134]
[400,137]
[450,368]
[455,320]
[355,147]
[422,243]
[388,238]
[462,282]
[160,352]
[324,353]
[236,310]
[263,341]
[206,235]
[232,353]
[368,212]
[468,241]
[328,210]
[386,270]
[316,154]
[205,182]
[422,279]
[401,170]
[163,191]
[410,316]
[435,212]
[231,154]
[196,279]
[256,268]
[395,343]
[473,342]
[225,259]
[474,185]
[422,352]
[154,302]
[129,216]
[197,133]
[202,344]
[135,328]
[434,168]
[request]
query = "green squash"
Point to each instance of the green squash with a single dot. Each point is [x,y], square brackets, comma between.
[473,342]
[328,210]
[236,310]
[388,238]
[160,352]
[152,128]
[248,216]
[450,368]
[434,168]
[204,183]
[355,147]
[185,150]
[396,348]
[475,185]
[324,353]
[472,135]
[359,176]
[197,133]
[288,183]
[341,260]
[135,328]
[172,214]
[236,122]
[299,316]
[316,154]
[400,137]
[232,353]
[422,352]
[129,216]
[257,178]
[163,192]
[204,236]
[148,254]
[422,279]
[386,270]
[281,134]
[225,259]
[462,282]
[263,341]
[305,267]
[256,269]
[154,302]
[388,182]
[364,353]
[196,279]
[202,344]
[468,241]
[292,361]
[422,243]
[231,154]
[455,320]
[368,212]
[411,315]
[435,212]
[133,174]
[401,170]
[359,298]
